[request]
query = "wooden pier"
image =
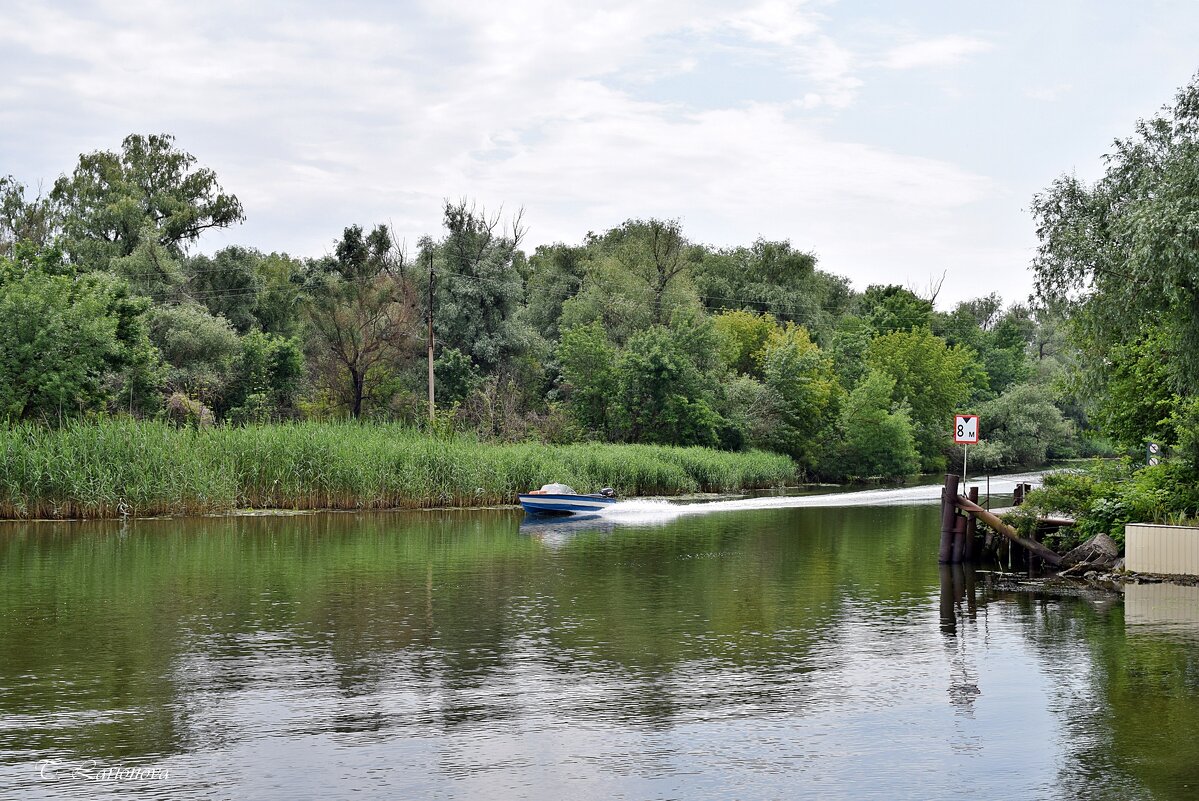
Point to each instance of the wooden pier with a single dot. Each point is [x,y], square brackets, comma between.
[959,516]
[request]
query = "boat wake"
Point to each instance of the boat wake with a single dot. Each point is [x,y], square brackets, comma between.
[636,512]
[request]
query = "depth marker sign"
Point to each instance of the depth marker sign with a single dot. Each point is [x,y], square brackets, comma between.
[965,429]
[965,433]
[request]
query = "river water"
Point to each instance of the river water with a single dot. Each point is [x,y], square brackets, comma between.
[762,648]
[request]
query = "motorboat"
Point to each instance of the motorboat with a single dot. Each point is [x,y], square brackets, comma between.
[559,499]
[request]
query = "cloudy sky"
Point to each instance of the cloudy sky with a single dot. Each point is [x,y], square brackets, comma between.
[897,141]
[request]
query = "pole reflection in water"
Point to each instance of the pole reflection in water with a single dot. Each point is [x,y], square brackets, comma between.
[958,602]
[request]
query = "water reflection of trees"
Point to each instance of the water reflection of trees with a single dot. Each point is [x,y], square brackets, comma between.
[155,640]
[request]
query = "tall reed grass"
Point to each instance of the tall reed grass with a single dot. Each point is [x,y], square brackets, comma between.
[113,467]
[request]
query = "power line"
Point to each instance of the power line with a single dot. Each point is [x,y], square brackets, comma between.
[238,292]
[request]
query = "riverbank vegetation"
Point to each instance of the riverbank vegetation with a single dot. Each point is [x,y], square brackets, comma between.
[1120,259]
[1105,495]
[118,467]
[635,335]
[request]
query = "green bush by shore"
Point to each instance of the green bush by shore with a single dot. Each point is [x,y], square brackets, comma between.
[113,467]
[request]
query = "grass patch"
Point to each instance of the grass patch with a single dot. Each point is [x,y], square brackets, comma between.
[112,467]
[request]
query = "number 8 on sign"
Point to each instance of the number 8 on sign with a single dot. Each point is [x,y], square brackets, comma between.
[965,429]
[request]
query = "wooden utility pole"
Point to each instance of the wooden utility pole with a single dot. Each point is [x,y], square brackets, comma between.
[432,408]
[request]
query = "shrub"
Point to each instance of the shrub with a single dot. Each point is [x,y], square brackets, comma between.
[1109,494]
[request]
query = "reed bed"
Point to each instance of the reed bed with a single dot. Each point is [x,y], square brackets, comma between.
[111,468]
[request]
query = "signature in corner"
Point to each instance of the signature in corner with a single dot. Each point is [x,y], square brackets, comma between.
[93,771]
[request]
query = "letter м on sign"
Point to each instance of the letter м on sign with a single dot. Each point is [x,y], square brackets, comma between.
[965,429]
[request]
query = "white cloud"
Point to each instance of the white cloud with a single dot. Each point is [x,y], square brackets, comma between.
[1048,93]
[943,51]
[318,119]
[776,22]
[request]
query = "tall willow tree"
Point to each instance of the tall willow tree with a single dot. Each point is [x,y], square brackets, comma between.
[479,287]
[1123,253]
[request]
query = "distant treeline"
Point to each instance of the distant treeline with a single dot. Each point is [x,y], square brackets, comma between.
[634,335]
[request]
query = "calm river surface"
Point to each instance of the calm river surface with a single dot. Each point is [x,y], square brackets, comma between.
[744,653]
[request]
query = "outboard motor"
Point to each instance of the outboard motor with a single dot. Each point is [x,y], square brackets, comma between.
[608,492]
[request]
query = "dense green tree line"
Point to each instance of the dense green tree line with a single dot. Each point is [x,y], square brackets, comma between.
[635,334]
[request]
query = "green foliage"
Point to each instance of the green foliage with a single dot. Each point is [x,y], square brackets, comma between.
[1124,253]
[773,278]
[151,270]
[875,437]
[750,411]
[198,348]
[656,253]
[1107,495]
[659,393]
[98,469]
[1186,422]
[279,298]
[892,308]
[933,379]
[479,289]
[636,276]
[362,315]
[181,410]
[588,363]
[741,337]
[70,345]
[607,297]
[635,334]
[556,275]
[112,201]
[1140,402]
[802,381]
[265,378]
[227,284]
[1023,428]
[27,258]
[456,376]
[847,345]
[31,222]
[1001,339]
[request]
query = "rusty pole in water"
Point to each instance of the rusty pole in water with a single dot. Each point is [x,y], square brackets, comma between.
[949,496]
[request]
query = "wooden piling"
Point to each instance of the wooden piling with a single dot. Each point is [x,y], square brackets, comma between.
[949,496]
[959,539]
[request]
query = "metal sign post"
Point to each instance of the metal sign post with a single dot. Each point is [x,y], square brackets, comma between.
[965,432]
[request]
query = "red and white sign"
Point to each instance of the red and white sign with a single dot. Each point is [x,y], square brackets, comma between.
[965,429]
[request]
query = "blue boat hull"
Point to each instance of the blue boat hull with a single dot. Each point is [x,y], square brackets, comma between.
[548,504]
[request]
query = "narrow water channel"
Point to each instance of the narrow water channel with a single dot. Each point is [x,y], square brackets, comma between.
[750,652]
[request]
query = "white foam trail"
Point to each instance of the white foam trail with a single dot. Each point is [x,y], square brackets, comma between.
[654,511]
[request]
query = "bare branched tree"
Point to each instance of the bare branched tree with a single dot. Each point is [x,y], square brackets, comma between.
[363,313]
[931,291]
[666,249]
